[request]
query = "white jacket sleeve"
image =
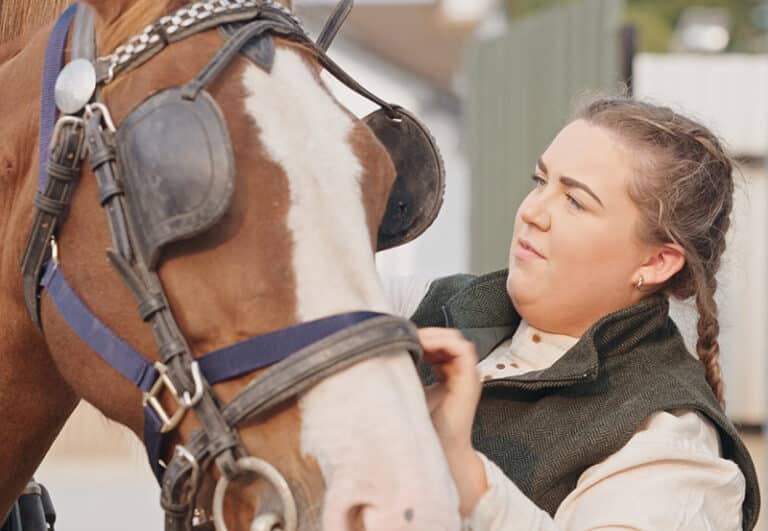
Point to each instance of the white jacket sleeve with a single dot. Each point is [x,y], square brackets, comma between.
[405,293]
[505,507]
[669,476]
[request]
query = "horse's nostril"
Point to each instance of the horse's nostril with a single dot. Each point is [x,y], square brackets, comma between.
[355,518]
[356,521]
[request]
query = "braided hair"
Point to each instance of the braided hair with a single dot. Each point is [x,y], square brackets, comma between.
[683,188]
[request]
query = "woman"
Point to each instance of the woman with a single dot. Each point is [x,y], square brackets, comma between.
[591,413]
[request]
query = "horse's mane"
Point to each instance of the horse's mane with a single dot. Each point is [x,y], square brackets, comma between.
[141,13]
[18,17]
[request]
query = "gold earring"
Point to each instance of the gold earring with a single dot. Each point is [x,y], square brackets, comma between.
[640,282]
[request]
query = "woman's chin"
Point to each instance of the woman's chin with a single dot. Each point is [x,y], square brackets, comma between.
[518,278]
[524,290]
[518,286]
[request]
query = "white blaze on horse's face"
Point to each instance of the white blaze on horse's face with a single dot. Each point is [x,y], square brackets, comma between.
[367,426]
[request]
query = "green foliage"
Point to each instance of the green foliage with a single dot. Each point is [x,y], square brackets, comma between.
[654,29]
[656,19]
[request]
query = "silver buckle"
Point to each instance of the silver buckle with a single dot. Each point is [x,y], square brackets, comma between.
[183,453]
[170,421]
[106,117]
[60,123]
[54,250]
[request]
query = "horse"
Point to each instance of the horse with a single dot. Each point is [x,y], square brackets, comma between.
[295,244]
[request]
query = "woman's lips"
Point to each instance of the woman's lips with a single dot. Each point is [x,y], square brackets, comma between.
[525,251]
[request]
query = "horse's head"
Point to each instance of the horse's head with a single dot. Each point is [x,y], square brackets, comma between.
[245,203]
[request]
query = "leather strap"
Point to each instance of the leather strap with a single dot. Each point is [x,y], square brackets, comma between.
[83,42]
[59,170]
[296,374]
[54,61]
[232,47]
[44,225]
[372,338]
[334,23]
[267,349]
[52,204]
[340,74]
[102,158]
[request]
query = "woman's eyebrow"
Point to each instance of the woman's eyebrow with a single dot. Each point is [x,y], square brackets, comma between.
[567,181]
[540,164]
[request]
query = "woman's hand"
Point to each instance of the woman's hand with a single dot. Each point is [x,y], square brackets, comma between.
[452,403]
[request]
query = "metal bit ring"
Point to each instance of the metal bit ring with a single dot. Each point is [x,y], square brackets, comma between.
[265,522]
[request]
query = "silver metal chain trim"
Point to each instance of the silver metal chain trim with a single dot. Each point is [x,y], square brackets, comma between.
[182,19]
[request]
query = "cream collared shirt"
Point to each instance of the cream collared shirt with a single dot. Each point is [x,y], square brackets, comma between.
[668,477]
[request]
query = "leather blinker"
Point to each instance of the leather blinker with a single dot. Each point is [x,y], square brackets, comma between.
[178,168]
[417,194]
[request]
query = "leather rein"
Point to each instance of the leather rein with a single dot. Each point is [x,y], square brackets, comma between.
[85,129]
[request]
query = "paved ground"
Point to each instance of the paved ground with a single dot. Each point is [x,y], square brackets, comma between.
[99,478]
[99,495]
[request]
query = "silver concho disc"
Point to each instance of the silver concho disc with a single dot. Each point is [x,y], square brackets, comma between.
[75,86]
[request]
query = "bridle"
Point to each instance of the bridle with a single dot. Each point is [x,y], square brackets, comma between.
[302,355]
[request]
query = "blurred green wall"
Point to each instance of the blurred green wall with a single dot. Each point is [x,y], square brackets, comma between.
[656,19]
[521,88]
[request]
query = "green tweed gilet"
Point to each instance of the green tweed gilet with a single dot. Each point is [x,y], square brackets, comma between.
[545,428]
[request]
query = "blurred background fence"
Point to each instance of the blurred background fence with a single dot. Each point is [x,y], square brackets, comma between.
[520,87]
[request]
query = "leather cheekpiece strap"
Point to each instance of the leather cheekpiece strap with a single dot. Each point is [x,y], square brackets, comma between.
[62,172]
[334,23]
[48,205]
[374,337]
[52,205]
[83,42]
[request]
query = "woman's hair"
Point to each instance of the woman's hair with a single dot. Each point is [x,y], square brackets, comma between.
[684,191]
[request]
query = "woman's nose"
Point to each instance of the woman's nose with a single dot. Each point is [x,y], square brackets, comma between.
[535,211]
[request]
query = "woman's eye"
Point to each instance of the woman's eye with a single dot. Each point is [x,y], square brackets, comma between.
[574,203]
[538,181]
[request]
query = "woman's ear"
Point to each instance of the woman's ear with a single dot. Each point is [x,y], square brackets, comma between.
[665,261]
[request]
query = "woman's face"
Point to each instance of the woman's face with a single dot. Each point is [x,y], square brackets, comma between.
[574,255]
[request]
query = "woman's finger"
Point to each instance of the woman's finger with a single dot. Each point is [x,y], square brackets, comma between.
[434,334]
[442,344]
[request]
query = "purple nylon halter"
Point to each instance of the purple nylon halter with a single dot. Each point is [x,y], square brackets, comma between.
[54,62]
[224,364]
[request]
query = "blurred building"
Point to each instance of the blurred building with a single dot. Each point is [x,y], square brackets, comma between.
[412,53]
[729,94]
[702,29]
